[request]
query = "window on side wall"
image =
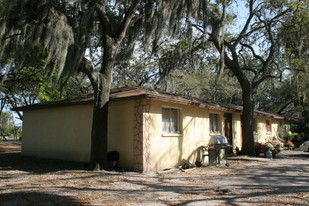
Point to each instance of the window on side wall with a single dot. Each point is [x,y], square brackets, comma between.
[214,123]
[170,121]
[268,126]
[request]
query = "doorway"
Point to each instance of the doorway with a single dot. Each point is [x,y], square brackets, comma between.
[228,130]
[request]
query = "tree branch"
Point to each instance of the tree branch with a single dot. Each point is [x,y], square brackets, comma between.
[87,68]
[258,82]
[268,27]
[127,21]
[249,69]
[253,52]
[251,14]
[285,106]
[103,19]
[13,35]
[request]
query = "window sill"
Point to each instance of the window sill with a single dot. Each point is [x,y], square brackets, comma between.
[215,134]
[171,135]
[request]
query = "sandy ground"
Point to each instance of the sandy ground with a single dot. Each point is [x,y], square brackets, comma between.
[28,181]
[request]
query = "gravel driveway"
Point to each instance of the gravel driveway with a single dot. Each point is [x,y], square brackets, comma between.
[29,181]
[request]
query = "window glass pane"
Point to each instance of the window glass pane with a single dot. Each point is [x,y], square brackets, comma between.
[173,120]
[211,122]
[165,120]
[214,123]
[170,120]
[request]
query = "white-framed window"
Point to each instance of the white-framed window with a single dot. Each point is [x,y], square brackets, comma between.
[170,121]
[214,123]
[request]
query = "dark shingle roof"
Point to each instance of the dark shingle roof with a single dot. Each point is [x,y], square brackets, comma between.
[139,92]
[126,93]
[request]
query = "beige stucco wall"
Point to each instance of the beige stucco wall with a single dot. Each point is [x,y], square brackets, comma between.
[65,132]
[169,151]
[59,132]
[172,150]
[120,131]
[261,135]
[135,131]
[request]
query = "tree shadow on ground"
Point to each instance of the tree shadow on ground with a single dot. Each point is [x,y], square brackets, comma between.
[16,161]
[298,155]
[36,199]
[249,185]
[11,158]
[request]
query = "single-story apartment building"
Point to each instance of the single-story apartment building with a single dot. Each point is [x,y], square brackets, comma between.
[151,130]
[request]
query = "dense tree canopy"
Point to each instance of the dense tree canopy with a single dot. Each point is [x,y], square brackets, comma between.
[255,55]
[160,44]
[65,31]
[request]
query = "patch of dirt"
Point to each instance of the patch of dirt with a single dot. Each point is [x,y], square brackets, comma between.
[30,181]
[10,147]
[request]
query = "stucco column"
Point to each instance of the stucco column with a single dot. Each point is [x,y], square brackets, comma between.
[141,139]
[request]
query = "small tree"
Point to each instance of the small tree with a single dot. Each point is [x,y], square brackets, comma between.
[7,125]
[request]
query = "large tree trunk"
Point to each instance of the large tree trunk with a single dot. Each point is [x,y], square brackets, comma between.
[101,82]
[248,92]
[98,159]
[99,136]
[247,121]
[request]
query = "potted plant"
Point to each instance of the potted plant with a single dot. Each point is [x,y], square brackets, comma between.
[257,148]
[277,147]
[289,144]
[267,146]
